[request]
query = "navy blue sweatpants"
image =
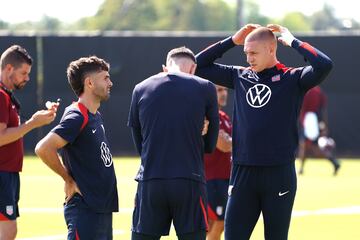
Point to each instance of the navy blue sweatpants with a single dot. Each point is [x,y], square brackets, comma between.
[269,190]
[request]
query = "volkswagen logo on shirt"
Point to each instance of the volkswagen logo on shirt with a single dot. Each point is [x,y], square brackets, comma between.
[258,95]
[106,155]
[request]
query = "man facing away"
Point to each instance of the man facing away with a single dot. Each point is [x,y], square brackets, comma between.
[217,170]
[15,65]
[267,104]
[167,118]
[88,170]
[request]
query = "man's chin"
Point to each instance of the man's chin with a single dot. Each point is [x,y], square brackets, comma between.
[19,86]
[105,98]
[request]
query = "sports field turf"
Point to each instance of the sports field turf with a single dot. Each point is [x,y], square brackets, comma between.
[326,207]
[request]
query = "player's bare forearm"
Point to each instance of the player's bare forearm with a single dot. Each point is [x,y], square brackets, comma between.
[40,118]
[46,149]
[9,135]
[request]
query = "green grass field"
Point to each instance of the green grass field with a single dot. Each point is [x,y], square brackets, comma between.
[326,207]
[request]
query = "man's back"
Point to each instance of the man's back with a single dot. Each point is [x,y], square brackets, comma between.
[170,108]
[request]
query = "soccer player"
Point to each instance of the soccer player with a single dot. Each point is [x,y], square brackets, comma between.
[15,65]
[217,170]
[318,142]
[268,98]
[88,170]
[167,118]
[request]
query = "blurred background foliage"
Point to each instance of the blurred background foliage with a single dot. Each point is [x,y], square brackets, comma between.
[185,15]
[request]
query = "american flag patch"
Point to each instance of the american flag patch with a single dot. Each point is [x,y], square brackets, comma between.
[275,78]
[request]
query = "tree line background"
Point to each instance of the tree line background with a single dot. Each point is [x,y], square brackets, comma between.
[184,15]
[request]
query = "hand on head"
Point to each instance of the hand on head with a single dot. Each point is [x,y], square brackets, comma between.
[285,37]
[239,37]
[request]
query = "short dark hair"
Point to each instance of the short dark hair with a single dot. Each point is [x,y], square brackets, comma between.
[181,52]
[261,33]
[15,56]
[79,69]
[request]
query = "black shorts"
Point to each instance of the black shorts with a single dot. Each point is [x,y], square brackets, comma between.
[84,223]
[269,190]
[159,202]
[217,190]
[9,195]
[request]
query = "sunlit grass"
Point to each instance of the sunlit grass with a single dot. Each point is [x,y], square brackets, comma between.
[42,198]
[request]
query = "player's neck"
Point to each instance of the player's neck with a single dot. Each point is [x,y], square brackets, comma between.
[5,84]
[89,103]
[272,63]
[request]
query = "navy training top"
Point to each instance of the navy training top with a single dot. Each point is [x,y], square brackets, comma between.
[87,157]
[166,116]
[267,103]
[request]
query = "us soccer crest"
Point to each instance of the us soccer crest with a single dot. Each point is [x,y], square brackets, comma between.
[9,210]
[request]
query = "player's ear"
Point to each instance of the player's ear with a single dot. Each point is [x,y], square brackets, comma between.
[9,68]
[87,82]
[273,47]
[165,69]
[193,68]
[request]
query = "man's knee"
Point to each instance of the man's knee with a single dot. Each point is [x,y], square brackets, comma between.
[8,230]
[215,230]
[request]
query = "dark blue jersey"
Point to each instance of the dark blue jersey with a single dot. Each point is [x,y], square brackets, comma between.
[167,116]
[266,104]
[87,157]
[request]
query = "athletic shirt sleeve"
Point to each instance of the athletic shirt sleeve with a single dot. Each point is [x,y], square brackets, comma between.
[320,65]
[4,108]
[217,73]
[69,126]
[212,114]
[134,121]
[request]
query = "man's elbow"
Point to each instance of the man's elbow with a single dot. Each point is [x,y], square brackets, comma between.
[40,149]
[328,65]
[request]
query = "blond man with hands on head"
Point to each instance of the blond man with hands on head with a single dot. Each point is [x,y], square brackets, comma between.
[267,102]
